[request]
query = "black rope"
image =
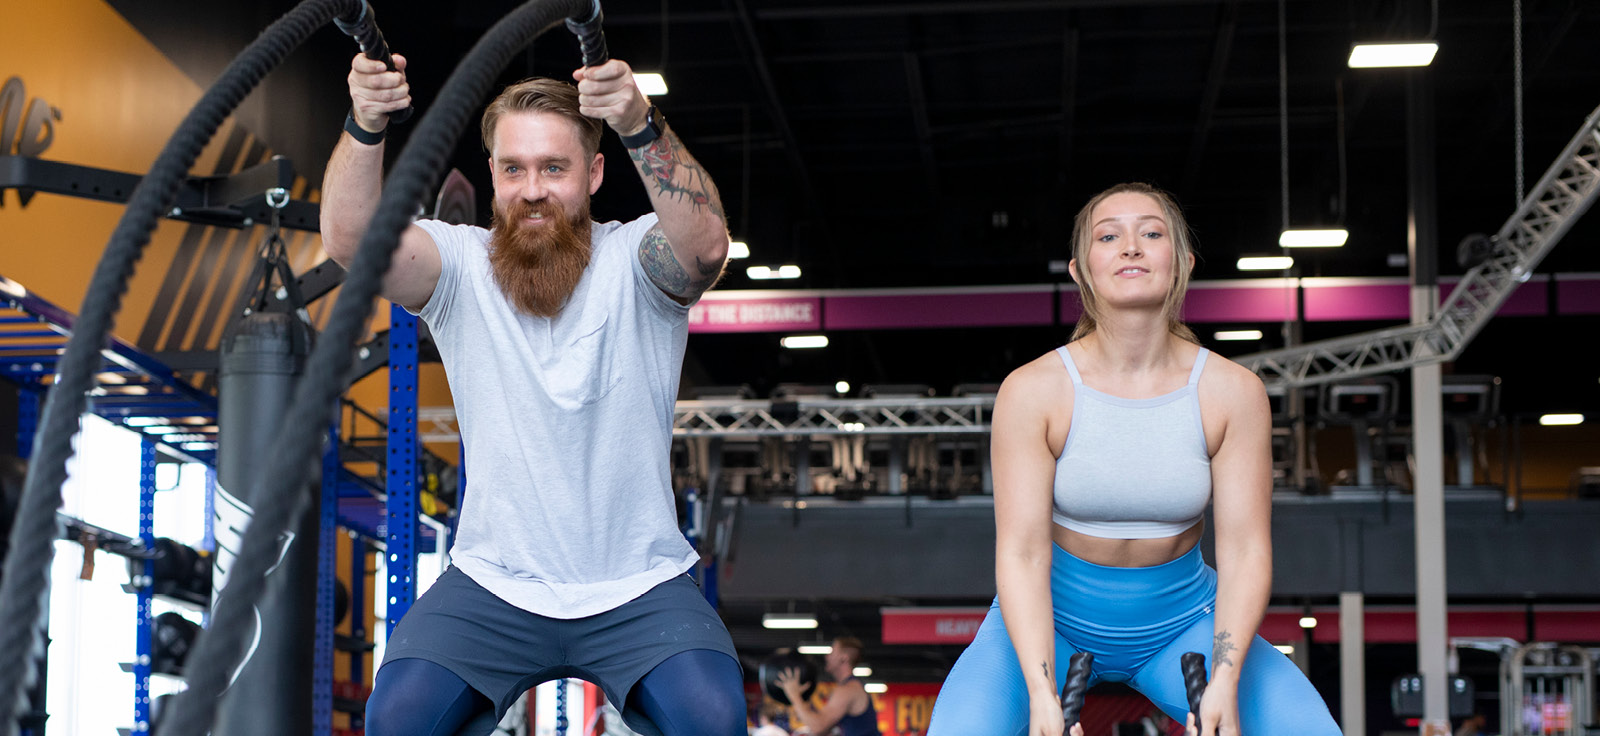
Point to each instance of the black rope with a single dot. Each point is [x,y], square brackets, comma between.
[316,397]
[27,567]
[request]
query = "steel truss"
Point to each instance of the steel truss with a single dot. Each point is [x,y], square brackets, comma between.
[824,416]
[1561,196]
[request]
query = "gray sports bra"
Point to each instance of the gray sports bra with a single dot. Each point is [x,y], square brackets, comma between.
[1133,468]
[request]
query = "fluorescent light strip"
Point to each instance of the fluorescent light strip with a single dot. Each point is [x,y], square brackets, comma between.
[1265,263]
[761,273]
[1285,648]
[1308,622]
[875,687]
[802,342]
[650,83]
[738,249]
[1238,335]
[788,621]
[815,649]
[1560,420]
[1313,238]
[862,671]
[1381,55]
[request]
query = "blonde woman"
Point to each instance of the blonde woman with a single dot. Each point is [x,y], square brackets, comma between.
[1106,452]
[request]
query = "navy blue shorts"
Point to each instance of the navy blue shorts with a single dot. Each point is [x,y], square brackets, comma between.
[501,650]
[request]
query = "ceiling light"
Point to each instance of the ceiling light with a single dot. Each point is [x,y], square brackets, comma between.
[876,687]
[738,249]
[1285,648]
[842,387]
[1560,420]
[760,273]
[1265,263]
[145,421]
[1238,335]
[815,649]
[1308,622]
[801,342]
[1376,55]
[862,672]
[650,83]
[788,621]
[1313,238]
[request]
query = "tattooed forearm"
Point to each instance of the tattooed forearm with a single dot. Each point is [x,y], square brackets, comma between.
[1220,647]
[666,272]
[674,173]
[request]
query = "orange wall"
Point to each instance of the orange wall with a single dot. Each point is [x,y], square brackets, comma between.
[119,100]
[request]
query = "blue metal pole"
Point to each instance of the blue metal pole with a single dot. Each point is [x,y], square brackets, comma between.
[400,482]
[27,419]
[358,605]
[147,534]
[29,400]
[322,651]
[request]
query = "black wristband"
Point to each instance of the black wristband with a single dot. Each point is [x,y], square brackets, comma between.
[654,125]
[359,133]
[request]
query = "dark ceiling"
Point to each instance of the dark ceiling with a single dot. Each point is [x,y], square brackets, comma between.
[881,144]
[910,144]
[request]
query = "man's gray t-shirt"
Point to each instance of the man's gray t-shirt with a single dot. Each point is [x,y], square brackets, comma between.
[567,426]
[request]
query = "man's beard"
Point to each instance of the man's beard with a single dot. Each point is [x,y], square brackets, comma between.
[538,267]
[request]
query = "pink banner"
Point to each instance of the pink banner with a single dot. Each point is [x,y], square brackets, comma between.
[996,308]
[1342,300]
[1380,299]
[1236,302]
[731,312]
[1578,295]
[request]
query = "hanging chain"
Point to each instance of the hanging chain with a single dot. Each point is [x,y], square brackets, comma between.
[1516,90]
[273,248]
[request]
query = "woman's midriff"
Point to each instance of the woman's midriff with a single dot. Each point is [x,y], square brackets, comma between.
[1126,552]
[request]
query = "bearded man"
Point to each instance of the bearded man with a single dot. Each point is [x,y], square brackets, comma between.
[563,341]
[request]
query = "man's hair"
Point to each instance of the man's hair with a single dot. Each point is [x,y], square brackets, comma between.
[541,95]
[851,643]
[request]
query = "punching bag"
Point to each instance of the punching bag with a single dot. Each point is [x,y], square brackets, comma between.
[263,354]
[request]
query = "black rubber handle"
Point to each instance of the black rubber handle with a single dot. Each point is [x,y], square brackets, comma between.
[1077,683]
[364,29]
[591,37]
[1194,681]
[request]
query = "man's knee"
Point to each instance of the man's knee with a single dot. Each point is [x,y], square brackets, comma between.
[415,697]
[387,714]
[717,712]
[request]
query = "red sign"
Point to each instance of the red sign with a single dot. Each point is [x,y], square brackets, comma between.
[931,625]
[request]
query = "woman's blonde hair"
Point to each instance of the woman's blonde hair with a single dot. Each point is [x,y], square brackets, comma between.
[1182,251]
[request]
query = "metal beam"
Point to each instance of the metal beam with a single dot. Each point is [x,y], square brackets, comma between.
[1221,51]
[1554,205]
[755,57]
[846,12]
[919,120]
[1070,44]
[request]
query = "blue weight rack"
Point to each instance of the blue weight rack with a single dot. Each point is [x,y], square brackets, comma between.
[172,415]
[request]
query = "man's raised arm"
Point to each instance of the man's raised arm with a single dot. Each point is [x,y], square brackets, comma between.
[685,251]
[353,182]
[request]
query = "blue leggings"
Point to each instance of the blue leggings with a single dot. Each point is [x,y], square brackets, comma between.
[690,693]
[1137,622]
